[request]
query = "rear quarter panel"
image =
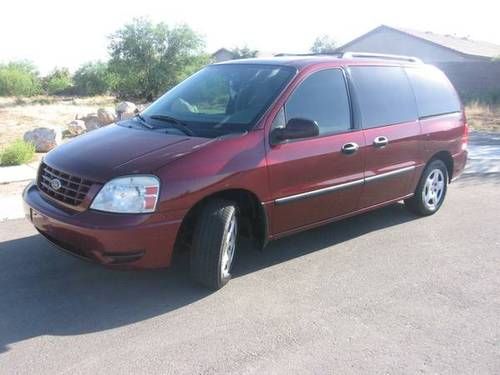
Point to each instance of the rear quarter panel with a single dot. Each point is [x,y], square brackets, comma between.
[444,133]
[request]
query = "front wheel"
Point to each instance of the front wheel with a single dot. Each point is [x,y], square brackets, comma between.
[214,244]
[431,190]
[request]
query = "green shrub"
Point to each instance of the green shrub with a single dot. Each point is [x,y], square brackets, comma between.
[19,79]
[93,78]
[59,82]
[18,152]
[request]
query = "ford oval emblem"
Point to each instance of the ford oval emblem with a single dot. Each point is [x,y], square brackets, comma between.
[55,184]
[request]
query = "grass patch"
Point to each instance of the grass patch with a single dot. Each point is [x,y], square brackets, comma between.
[18,152]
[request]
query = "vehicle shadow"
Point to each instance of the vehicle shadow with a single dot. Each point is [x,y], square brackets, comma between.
[45,292]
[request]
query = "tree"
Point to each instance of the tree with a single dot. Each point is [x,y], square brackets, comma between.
[148,59]
[58,82]
[243,53]
[93,78]
[19,78]
[324,44]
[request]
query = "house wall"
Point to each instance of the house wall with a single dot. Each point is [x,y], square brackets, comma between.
[474,79]
[223,56]
[393,42]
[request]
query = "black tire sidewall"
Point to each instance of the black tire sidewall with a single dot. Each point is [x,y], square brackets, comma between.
[209,236]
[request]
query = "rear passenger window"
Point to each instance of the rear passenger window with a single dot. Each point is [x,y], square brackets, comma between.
[434,93]
[384,95]
[322,97]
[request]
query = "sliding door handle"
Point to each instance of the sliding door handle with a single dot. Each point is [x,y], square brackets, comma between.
[380,141]
[350,148]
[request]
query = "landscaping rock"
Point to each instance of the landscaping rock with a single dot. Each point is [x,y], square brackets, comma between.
[125,110]
[105,116]
[91,122]
[44,139]
[76,127]
[142,107]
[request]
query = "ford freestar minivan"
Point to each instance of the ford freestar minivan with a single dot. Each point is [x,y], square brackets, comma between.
[262,148]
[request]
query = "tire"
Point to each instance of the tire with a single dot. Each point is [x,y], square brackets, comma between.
[431,190]
[214,244]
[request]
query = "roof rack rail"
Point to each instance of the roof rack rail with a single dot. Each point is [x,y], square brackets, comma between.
[370,55]
[308,54]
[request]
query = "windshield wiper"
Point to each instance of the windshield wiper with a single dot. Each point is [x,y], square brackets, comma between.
[143,122]
[175,123]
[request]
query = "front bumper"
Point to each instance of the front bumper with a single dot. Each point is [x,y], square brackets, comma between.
[119,240]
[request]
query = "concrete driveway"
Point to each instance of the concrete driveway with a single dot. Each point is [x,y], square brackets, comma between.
[385,292]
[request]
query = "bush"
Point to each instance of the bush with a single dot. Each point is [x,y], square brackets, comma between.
[59,82]
[93,78]
[18,152]
[19,79]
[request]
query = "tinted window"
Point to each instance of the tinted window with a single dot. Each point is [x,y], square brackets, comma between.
[322,97]
[434,93]
[384,95]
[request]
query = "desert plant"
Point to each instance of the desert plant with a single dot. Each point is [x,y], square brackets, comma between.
[18,152]
[148,59]
[93,78]
[19,79]
[58,82]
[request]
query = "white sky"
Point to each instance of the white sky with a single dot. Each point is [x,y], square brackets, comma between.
[67,33]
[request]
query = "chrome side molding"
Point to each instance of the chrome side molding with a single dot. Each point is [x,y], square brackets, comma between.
[331,189]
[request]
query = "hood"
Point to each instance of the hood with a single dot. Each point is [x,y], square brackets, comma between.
[117,150]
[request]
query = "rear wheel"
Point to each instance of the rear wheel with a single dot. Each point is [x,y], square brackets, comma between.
[214,244]
[431,190]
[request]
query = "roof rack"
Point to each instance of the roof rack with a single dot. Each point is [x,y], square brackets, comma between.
[308,54]
[369,55]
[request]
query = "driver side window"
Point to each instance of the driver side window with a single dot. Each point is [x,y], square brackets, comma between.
[322,97]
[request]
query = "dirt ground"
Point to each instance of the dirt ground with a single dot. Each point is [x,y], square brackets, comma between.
[18,115]
[483,117]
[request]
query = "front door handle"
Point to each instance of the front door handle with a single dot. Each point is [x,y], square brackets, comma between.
[380,141]
[350,148]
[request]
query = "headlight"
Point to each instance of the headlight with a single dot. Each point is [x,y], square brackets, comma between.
[130,194]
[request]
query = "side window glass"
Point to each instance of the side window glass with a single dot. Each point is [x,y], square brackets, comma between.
[384,95]
[322,97]
[434,93]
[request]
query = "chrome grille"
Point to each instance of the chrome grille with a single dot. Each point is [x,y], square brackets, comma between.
[72,190]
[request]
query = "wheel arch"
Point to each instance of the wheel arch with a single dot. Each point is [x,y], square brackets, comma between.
[447,159]
[255,220]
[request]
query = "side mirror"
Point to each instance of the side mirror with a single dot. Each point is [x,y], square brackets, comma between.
[296,128]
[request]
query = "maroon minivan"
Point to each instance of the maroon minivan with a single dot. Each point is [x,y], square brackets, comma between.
[262,148]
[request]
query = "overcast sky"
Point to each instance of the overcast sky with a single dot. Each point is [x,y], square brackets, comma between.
[67,33]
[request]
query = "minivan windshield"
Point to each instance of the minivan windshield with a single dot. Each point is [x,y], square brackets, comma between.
[220,99]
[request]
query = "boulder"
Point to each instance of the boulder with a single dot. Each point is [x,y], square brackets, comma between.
[44,139]
[142,107]
[105,116]
[76,127]
[91,122]
[125,110]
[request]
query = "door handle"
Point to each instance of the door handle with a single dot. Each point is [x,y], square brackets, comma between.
[349,148]
[380,141]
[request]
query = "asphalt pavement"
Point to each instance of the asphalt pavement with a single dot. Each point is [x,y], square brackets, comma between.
[384,292]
